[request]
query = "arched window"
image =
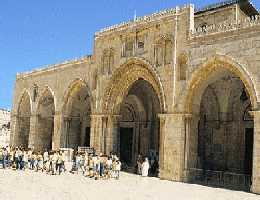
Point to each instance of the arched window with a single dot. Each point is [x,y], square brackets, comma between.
[163,51]
[107,61]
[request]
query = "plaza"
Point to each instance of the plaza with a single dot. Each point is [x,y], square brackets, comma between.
[33,185]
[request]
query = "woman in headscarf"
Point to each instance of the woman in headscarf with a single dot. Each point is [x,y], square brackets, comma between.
[145,167]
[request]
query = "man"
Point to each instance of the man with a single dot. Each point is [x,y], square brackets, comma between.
[139,164]
[2,158]
[45,159]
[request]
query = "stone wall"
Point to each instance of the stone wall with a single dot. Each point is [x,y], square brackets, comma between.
[5,118]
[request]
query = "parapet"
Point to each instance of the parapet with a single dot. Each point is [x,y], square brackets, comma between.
[226,26]
[53,67]
[144,19]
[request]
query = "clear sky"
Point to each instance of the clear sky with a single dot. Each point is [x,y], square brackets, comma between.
[34,33]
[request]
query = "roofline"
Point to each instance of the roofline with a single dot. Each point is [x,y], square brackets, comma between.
[224,4]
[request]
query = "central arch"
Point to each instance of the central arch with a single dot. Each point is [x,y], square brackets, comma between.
[220,139]
[123,79]
[135,93]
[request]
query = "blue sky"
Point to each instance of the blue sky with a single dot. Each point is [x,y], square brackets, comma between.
[36,33]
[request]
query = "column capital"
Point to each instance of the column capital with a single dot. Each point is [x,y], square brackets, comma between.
[97,115]
[57,113]
[254,113]
[179,114]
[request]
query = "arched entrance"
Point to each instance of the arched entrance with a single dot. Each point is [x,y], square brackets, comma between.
[24,114]
[77,110]
[45,122]
[135,94]
[139,123]
[221,133]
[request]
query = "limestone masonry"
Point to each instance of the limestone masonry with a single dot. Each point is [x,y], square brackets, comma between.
[5,128]
[181,85]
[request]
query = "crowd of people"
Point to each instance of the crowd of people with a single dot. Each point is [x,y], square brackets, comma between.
[55,162]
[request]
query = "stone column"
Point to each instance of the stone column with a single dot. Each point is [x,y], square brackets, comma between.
[172,146]
[58,130]
[256,154]
[112,133]
[64,136]
[32,135]
[97,132]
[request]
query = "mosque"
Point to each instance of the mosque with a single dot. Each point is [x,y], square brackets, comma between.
[182,83]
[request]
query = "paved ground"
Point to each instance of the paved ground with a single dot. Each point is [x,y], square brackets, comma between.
[17,185]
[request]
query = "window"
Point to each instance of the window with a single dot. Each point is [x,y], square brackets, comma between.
[163,52]
[107,61]
[129,47]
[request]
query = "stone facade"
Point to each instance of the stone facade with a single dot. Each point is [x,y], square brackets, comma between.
[179,83]
[5,128]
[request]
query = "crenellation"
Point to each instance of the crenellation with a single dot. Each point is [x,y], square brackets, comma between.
[144,19]
[226,26]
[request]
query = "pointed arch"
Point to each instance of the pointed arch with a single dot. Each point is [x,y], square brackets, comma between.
[76,110]
[45,112]
[24,111]
[134,69]
[210,71]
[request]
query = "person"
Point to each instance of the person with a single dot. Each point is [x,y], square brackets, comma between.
[139,164]
[25,159]
[40,161]
[91,167]
[118,169]
[59,163]
[2,158]
[109,167]
[16,159]
[86,164]
[30,158]
[20,158]
[63,158]
[45,158]
[145,168]
[54,162]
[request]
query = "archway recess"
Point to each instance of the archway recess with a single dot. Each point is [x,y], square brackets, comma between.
[220,138]
[135,94]
[45,121]
[76,111]
[24,114]
[123,79]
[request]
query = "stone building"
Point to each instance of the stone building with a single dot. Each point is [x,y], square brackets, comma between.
[5,128]
[180,82]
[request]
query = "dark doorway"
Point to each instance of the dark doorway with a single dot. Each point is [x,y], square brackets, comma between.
[249,138]
[126,143]
[87,137]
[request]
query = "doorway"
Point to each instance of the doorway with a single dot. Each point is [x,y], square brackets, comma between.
[87,137]
[249,138]
[126,144]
